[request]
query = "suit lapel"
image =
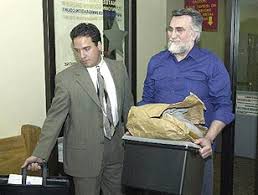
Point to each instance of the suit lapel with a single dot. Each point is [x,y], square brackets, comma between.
[84,80]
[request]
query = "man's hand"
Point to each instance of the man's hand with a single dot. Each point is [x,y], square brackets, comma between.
[33,163]
[206,149]
[205,142]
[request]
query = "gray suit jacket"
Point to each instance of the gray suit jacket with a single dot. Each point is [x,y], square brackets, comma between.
[76,106]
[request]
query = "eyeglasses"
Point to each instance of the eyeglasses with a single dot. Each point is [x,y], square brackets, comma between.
[178,30]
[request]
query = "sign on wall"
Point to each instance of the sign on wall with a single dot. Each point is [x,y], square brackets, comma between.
[247,103]
[209,11]
[105,14]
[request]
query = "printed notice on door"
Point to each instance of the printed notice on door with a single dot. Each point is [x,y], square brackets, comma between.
[247,103]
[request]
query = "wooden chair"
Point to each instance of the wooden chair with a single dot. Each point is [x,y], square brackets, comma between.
[30,134]
[14,150]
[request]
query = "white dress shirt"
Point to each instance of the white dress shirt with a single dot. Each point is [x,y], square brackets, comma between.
[110,86]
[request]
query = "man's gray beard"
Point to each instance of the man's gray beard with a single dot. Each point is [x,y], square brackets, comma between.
[177,49]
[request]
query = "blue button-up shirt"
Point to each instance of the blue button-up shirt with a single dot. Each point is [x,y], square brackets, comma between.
[201,72]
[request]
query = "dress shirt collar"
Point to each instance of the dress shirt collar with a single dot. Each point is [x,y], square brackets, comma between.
[93,72]
[195,53]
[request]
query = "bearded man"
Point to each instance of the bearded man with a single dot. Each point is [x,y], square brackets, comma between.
[183,68]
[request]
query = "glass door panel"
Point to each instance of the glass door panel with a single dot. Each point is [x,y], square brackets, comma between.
[246,100]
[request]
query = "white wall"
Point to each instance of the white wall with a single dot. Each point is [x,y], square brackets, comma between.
[22,66]
[151,35]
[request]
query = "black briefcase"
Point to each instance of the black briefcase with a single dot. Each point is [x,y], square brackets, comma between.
[51,185]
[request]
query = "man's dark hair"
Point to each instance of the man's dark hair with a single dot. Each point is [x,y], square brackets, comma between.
[88,30]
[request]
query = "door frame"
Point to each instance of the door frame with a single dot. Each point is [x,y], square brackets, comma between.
[231,60]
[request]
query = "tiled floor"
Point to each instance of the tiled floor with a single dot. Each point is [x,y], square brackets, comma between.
[244,176]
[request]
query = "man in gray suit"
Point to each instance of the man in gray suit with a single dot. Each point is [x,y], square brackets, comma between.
[93,160]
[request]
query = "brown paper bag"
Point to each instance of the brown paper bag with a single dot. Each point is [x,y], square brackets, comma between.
[179,121]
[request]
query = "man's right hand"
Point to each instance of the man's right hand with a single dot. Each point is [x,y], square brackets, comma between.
[33,163]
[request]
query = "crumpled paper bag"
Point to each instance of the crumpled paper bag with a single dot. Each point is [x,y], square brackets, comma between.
[180,121]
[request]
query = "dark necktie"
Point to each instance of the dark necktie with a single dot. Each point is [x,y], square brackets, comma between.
[107,113]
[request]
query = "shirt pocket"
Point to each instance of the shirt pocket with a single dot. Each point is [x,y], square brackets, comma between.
[170,85]
[197,83]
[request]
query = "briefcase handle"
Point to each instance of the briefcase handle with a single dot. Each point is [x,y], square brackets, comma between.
[44,173]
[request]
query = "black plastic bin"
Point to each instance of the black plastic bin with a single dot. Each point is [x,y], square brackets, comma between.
[174,167]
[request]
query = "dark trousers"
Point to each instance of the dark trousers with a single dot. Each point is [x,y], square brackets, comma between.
[207,184]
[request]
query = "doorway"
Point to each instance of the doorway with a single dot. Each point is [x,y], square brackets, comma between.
[246,122]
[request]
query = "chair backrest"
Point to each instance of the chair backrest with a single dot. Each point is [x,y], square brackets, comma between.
[14,150]
[12,154]
[30,133]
